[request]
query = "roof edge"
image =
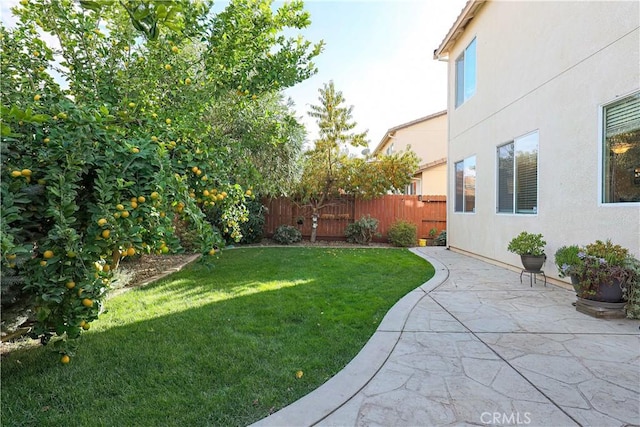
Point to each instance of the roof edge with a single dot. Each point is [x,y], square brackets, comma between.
[458,27]
[392,130]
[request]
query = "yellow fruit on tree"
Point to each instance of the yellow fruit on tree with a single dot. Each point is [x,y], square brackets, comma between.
[131,252]
[155,195]
[194,169]
[11,256]
[82,323]
[48,254]
[106,268]
[43,263]
[87,302]
[71,254]
[16,174]
[37,97]
[25,172]
[65,359]
[70,285]
[120,207]
[116,215]
[125,214]
[131,105]
[134,205]
[187,81]
[135,150]
[46,140]
[164,249]
[141,199]
[86,326]
[212,252]
[102,221]
[167,67]
[105,234]
[154,138]
[168,121]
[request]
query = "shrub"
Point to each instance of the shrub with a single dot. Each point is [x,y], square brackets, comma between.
[362,230]
[403,233]
[287,234]
[441,240]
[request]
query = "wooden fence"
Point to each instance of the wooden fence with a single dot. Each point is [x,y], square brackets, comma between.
[427,212]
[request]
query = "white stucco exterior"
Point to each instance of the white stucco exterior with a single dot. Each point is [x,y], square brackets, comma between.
[427,137]
[546,67]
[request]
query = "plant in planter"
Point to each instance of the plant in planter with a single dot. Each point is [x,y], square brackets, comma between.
[530,247]
[602,272]
[632,288]
[568,262]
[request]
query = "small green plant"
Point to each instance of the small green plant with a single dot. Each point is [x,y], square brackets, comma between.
[403,233]
[567,260]
[527,244]
[433,232]
[632,289]
[287,234]
[613,254]
[362,231]
[441,240]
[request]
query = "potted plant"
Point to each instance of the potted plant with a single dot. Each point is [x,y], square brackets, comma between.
[530,247]
[602,272]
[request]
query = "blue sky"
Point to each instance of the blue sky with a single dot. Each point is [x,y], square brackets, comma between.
[379,53]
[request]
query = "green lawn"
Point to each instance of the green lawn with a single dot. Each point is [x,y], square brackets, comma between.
[218,343]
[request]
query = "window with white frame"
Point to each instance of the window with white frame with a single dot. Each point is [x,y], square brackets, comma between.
[518,175]
[621,151]
[390,149]
[413,188]
[466,74]
[465,182]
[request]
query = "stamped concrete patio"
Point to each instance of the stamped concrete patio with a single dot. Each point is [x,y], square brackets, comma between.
[474,346]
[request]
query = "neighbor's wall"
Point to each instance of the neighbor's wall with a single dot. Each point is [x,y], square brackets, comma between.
[428,139]
[434,180]
[545,66]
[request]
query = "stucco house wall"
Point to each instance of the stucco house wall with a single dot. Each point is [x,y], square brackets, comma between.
[547,67]
[427,137]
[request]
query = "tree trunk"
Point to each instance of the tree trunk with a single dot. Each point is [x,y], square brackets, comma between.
[314,225]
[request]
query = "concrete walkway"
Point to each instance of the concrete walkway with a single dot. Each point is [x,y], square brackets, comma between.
[474,346]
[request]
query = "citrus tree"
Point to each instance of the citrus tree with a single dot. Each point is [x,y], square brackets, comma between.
[329,170]
[108,140]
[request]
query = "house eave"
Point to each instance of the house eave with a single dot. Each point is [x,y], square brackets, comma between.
[468,13]
[390,133]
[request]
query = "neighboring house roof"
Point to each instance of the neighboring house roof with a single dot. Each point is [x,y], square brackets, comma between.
[423,167]
[468,13]
[389,133]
